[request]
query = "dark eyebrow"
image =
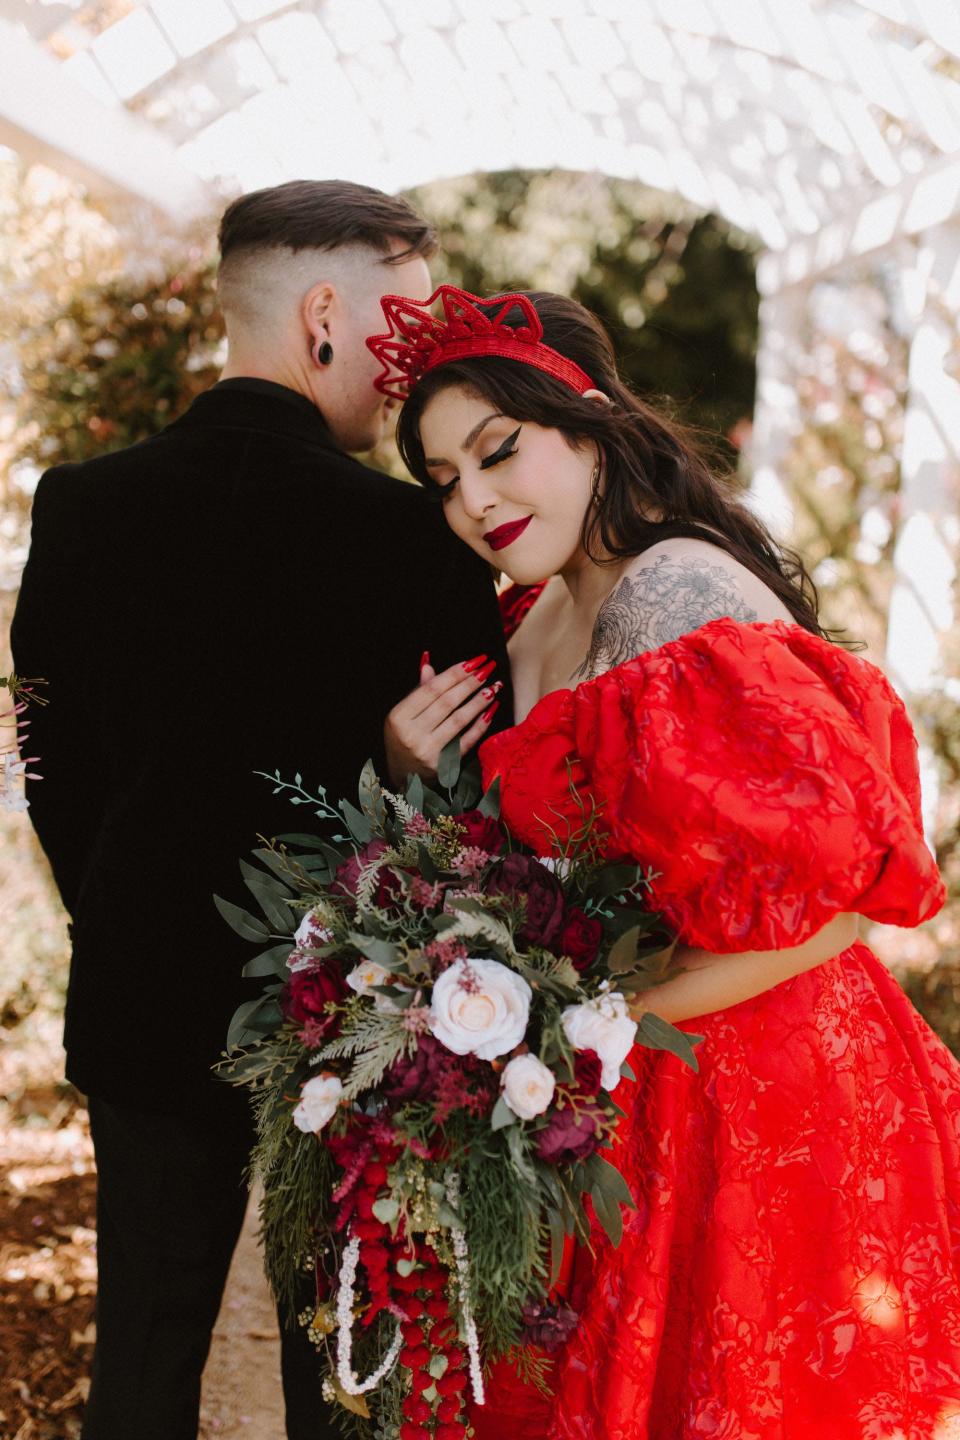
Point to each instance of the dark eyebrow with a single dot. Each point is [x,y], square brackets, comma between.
[471,438]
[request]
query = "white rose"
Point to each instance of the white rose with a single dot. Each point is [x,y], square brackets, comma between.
[603,1025]
[365,976]
[527,1085]
[319,1099]
[481,1008]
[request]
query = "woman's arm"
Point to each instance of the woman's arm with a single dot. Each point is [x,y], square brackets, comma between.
[714,982]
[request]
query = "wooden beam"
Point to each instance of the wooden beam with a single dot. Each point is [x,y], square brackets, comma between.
[47,117]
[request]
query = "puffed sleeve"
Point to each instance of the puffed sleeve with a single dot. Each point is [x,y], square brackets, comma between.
[767,777]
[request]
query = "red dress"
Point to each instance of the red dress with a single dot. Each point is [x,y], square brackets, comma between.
[793,1267]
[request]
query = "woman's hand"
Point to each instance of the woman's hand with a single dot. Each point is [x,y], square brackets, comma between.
[458,701]
[711,982]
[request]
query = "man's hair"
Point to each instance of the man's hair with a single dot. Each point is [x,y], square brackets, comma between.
[325,215]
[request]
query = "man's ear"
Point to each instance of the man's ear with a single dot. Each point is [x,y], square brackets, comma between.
[316,308]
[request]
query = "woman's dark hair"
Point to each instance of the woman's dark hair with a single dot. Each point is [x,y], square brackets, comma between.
[651,462]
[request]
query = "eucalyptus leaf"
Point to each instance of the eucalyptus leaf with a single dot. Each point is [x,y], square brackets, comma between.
[406,1267]
[490,803]
[370,794]
[381,952]
[502,1115]
[623,956]
[414,792]
[246,925]
[270,896]
[239,1028]
[357,823]
[660,1035]
[558,1235]
[386,1209]
[278,865]
[308,842]
[437,1366]
[609,1214]
[448,766]
[607,1177]
[613,880]
[269,962]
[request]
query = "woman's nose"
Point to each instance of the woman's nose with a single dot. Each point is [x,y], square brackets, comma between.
[477,495]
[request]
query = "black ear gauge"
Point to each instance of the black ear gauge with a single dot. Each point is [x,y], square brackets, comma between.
[323,352]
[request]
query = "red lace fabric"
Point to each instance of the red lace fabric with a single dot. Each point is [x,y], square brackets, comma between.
[793,1267]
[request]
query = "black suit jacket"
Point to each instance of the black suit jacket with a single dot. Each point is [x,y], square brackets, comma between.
[232,595]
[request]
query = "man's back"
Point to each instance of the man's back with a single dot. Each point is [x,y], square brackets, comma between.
[234,595]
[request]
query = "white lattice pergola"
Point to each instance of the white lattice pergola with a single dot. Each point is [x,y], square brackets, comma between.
[828,129]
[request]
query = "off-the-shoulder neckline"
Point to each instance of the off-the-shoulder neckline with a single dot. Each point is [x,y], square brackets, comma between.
[725,621]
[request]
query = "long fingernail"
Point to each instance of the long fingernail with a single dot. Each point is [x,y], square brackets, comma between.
[489,713]
[424,659]
[474,664]
[486,672]
[491,690]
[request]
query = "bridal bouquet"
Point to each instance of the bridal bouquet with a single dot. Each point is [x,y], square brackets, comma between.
[434,1061]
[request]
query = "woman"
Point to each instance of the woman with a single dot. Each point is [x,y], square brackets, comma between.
[792,1267]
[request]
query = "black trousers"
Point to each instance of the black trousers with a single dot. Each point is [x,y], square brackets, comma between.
[170,1206]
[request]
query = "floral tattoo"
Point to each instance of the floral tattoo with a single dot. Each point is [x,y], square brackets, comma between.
[660,603]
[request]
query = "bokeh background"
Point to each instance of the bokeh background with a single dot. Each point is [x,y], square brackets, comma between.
[759,197]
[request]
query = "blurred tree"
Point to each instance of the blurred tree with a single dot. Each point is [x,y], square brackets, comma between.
[676,289]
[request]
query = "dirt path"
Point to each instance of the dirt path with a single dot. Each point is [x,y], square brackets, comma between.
[242,1395]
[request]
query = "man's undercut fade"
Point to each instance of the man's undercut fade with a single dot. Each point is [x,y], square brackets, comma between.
[325,215]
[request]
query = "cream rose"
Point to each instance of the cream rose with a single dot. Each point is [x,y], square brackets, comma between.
[603,1025]
[365,976]
[527,1086]
[319,1099]
[481,1008]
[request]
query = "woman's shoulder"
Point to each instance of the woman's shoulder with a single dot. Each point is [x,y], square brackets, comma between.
[674,587]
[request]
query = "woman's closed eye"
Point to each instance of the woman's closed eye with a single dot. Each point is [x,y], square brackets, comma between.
[503,452]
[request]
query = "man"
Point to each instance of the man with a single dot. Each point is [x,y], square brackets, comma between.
[233,595]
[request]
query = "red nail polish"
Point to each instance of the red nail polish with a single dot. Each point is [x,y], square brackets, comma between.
[424,659]
[474,664]
[490,690]
[489,714]
[486,672]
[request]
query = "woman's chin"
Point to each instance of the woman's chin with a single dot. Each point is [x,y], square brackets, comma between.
[523,574]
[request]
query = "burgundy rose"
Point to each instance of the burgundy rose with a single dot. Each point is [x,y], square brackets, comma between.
[481,832]
[569,1134]
[547,1325]
[388,894]
[522,875]
[308,992]
[580,938]
[413,1077]
[348,874]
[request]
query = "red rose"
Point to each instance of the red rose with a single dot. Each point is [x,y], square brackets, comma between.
[580,938]
[587,1070]
[308,992]
[481,832]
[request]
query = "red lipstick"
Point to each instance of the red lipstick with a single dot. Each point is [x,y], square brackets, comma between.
[505,535]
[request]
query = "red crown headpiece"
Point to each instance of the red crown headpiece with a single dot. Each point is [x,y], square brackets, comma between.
[418,341]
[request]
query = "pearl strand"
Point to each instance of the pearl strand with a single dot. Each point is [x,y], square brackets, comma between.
[345,1371]
[463,1285]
